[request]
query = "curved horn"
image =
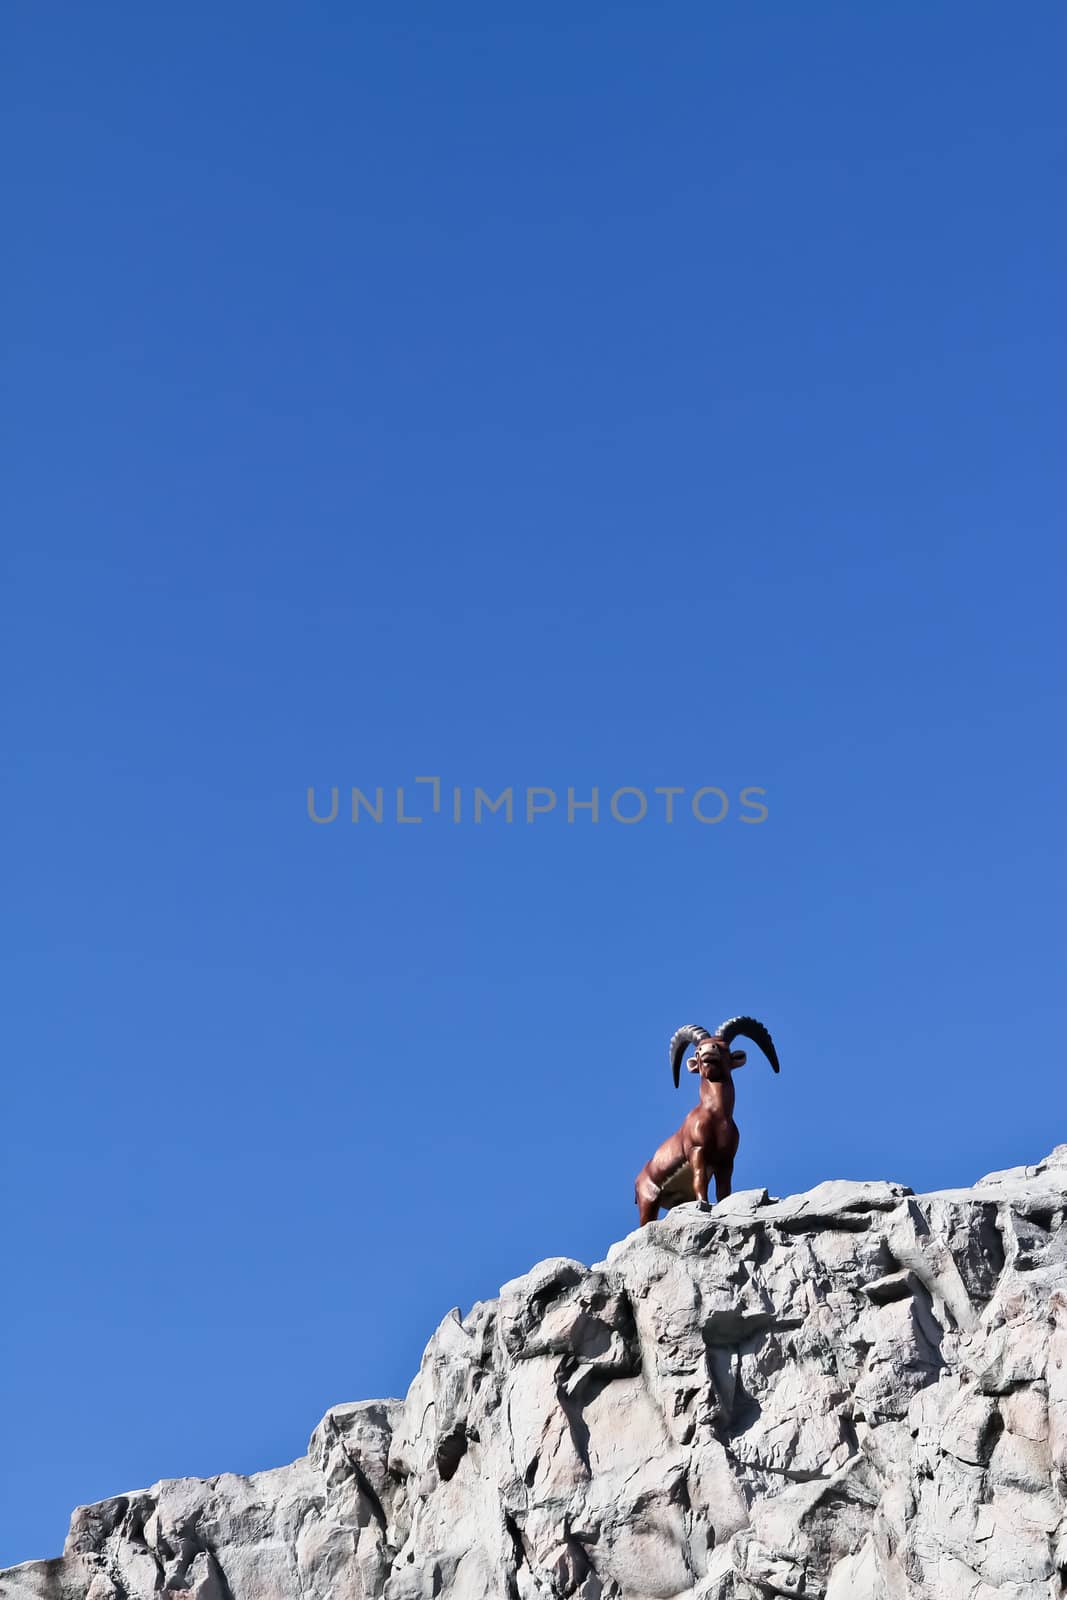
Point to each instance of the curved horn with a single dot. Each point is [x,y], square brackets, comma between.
[752,1030]
[689,1034]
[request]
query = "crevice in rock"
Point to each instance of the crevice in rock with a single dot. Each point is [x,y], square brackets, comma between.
[377,1510]
[893,1286]
[134,1521]
[178,1582]
[745,1412]
[450,1452]
[927,1322]
[787,1474]
[362,1482]
[732,1327]
[849,1436]
[838,1222]
[722,1382]
[585,1391]
[764,1248]
[990,1435]
[518,1551]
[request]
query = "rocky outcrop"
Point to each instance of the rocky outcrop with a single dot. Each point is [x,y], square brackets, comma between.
[857,1393]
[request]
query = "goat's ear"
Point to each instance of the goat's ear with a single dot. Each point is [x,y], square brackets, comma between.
[737,1059]
[693,1064]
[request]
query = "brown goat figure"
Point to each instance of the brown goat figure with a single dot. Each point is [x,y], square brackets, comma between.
[706,1143]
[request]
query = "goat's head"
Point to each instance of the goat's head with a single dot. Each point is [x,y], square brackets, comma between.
[713,1058]
[713,1055]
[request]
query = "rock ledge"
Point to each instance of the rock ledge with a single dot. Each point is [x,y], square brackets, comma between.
[856,1393]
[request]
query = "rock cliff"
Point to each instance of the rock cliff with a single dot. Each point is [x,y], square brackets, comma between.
[856,1393]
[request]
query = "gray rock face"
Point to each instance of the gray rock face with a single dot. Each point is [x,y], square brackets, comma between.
[856,1394]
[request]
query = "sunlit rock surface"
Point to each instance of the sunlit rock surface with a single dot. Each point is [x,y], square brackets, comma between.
[856,1393]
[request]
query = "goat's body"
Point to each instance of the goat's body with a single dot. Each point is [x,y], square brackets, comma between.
[704,1147]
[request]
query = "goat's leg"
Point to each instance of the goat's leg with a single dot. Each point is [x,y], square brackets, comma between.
[654,1174]
[728,1141]
[698,1162]
[647,1196]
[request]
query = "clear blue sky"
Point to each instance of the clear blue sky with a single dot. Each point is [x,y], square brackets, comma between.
[558,395]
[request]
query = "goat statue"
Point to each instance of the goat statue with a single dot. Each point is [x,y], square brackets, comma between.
[706,1143]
